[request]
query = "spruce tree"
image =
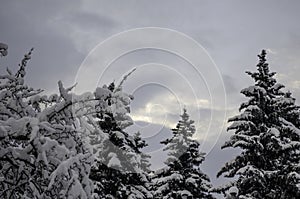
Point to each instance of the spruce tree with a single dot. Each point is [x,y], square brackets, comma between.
[182,176]
[267,132]
[140,144]
[118,171]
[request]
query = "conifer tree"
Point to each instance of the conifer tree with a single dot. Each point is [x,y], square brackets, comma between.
[267,132]
[41,152]
[140,144]
[118,171]
[182,176]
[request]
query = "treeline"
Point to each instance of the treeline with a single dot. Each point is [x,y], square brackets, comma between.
[76,146]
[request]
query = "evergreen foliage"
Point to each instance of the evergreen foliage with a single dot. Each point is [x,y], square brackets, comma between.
[267,131]
[41,152]
[182,176]
[121,169]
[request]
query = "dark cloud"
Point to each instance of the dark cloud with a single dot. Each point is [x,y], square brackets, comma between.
[54,58]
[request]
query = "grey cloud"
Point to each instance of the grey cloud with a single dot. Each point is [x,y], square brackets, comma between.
[54,55]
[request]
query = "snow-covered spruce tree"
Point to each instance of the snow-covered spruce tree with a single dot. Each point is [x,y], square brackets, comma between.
[118,170]
[41,152]
[140,144]
[267,132]
[182,176]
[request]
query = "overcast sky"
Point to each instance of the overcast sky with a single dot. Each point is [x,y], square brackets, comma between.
[66,37]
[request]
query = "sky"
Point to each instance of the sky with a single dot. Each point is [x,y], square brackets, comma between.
[190,54]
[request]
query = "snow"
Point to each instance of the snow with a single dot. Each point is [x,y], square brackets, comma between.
[289,126]
[277,86]
[42,149]
[102,93]
[254,90]
[3,49]
[191,180]
[233,189]
[237,124]
[274,132]
[185,193]
[119,135]
[114,161]
[253,108]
